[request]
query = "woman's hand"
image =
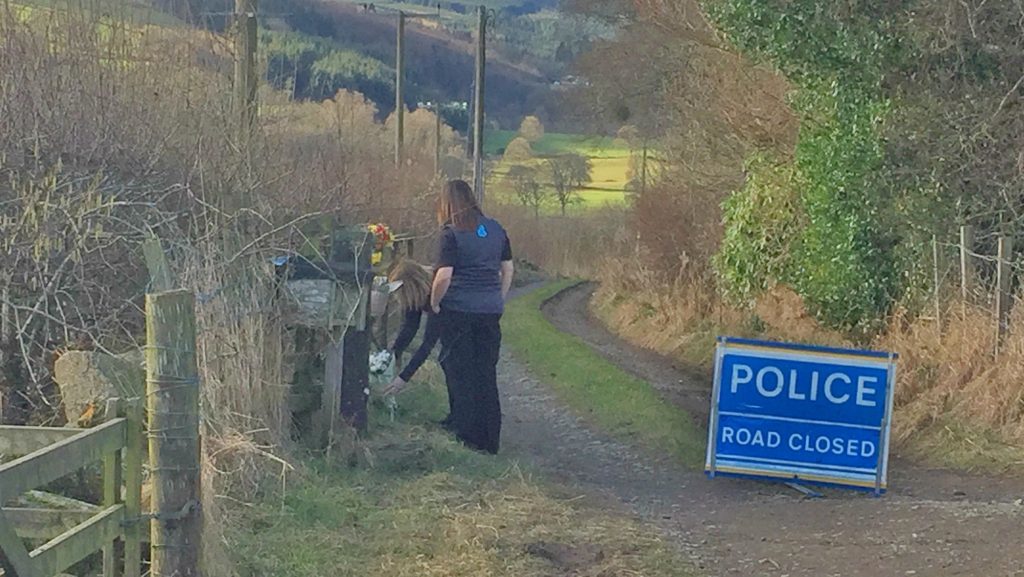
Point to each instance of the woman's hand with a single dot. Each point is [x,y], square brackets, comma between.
[397,386]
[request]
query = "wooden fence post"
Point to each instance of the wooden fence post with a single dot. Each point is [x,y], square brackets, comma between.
[330,401]
[937,285]
[966,263]
[1003,288]
[160,276]
[355,365]
[133,488]
[172,382]
[5,323]
[355,376]
[112,478]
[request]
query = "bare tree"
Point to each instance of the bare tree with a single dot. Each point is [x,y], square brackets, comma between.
[568,175]
[529,191]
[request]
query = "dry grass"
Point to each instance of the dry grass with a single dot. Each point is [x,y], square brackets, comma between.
[956,405]
[421,505]
[568,246]
[953,389]
[113,130]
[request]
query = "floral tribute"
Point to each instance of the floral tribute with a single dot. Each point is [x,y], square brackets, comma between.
[384,239]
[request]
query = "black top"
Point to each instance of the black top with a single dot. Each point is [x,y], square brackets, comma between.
[475,257]
[410,325]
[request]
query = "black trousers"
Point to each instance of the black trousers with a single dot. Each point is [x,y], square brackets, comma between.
[471,344]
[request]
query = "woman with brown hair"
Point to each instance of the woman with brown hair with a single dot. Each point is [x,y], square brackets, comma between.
[471,282]
[414,283]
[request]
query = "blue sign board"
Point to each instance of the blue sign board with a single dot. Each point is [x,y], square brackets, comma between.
[801,413]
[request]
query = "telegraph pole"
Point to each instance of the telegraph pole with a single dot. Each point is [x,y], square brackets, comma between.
[643,170]
[437,138]
[245,65]
[437,120]
[478,105]
[399,85]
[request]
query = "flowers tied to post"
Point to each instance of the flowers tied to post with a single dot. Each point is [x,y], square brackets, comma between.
[382,239]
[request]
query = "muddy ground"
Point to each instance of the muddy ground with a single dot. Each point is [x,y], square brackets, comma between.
[931,523]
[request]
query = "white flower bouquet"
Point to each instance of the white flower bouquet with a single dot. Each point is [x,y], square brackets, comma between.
[382,371]
[382,363]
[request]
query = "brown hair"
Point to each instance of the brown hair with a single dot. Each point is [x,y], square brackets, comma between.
[414,294]
[457,206]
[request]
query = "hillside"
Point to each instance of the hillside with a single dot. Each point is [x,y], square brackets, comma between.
[439,64]
[317,47]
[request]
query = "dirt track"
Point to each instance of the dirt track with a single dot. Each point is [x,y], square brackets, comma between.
[931,523]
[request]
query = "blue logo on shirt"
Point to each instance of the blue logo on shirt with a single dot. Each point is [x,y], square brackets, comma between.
[481,231]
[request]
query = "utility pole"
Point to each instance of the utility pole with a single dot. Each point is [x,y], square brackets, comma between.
[437,120]
[399,86]
[478,105]
[643,170]
[245,65]
[437,138]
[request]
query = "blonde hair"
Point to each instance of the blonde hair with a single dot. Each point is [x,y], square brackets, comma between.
[417,281]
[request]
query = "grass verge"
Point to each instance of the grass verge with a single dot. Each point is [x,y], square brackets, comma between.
[418,504]
[620,403]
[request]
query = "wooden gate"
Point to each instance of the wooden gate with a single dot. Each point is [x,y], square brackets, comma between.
[45,454]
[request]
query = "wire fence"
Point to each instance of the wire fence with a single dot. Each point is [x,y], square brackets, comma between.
[988,281]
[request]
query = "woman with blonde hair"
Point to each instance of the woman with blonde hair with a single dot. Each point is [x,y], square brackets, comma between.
[472,280]
[413,283]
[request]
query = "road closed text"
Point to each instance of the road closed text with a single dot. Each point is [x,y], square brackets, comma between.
[797,442]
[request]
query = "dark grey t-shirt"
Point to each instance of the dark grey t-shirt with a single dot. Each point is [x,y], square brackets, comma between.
[475,257]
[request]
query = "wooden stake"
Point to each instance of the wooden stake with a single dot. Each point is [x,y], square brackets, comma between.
[330,399]
[133,488]
[5,323]
[355,377]
[936,284]
[160,276]
[111,490]
[1003,288]
[172,380]
[966,262]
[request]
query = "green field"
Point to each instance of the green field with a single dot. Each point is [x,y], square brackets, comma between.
[610,159]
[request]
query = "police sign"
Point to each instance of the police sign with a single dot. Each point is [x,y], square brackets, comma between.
[801,413]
